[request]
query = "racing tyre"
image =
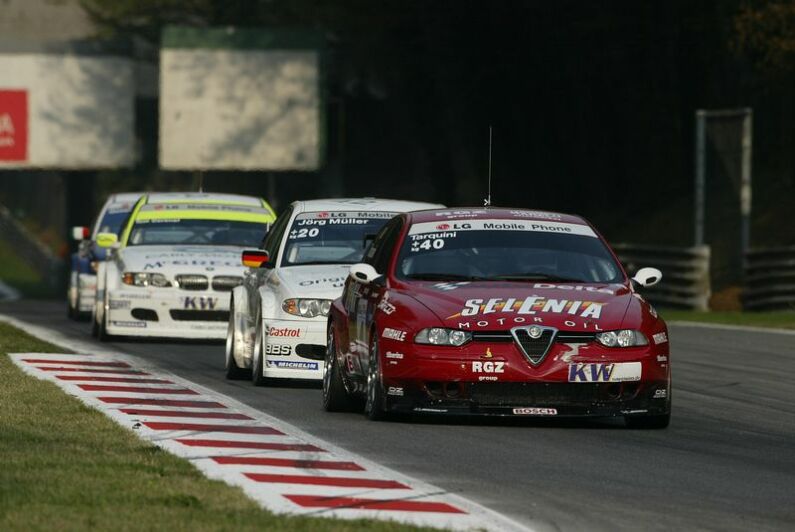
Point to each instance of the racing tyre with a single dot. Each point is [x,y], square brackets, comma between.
[335,397]
[101,325]
[256,363]
[233,371]
[374,406]
[648,422]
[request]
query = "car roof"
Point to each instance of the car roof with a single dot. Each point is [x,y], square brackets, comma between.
[202,197]
[362,204]
[124,197]
[475,213]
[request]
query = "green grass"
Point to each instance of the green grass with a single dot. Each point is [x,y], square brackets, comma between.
[777,320]
[65,466]
[18,274]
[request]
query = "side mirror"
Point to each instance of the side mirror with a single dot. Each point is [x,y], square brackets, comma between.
[254,258]
[80,233]
[647,276]
[363,273]
[107,240]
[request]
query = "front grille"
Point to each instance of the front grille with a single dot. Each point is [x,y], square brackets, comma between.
[199,315]
[311,351]
[144,314]
[535,349]
[574,337]
[226,283]
[540,393]
[492,336]
[506,336]
[192,282]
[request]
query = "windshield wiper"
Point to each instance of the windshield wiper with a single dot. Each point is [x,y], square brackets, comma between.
[535,276]
[444,277]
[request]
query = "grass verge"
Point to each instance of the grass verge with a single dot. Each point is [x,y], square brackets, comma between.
[66,466]
[17,273]
[776,320]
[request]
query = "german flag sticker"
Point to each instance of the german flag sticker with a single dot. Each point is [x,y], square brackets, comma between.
[254,259]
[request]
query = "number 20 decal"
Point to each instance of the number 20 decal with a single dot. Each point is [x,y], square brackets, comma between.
[304,232]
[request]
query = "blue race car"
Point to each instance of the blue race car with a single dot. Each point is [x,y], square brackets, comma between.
[83,272]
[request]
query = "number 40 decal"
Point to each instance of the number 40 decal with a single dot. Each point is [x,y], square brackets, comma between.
[427,244]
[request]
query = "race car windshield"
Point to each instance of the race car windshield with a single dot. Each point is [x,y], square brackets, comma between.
[112,222]
[514,252]
[197,232]
[331,237]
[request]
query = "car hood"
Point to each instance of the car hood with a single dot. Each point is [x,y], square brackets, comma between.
[212,260]
[503,305]
[323,281]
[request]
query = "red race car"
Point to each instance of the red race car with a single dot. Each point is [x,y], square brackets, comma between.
[501,312]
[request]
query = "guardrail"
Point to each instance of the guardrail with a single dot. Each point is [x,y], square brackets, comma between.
[35,254]
[769,279]
[685,282]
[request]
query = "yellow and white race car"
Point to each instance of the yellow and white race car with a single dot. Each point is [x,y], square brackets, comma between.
[172,269]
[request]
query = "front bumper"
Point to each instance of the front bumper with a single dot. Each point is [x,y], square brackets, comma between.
[168,313]
[293,349]
[525,399]
[87,292]
[484,378]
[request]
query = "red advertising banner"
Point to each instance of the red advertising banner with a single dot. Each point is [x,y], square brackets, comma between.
[13,125]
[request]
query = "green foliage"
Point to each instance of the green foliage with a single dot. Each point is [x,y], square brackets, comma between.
[766,30]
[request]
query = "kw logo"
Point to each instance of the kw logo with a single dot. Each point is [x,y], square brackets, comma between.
[590,372]
[200,303]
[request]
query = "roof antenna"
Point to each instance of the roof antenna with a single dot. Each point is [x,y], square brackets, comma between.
[487,201]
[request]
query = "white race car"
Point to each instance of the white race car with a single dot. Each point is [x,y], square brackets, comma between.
[277,321]
[83,272]
[170,272]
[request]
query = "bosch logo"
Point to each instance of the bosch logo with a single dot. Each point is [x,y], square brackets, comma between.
[443,227]
[322,215]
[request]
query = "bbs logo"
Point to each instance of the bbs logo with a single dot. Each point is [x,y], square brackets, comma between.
[278,349]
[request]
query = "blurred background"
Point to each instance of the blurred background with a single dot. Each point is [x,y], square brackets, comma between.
[593,107]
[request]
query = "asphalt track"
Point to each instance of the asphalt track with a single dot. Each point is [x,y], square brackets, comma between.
[727,462]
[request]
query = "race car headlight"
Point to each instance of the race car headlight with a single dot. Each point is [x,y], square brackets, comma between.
[307,308]
[622,338]
[440,336]
[145,279]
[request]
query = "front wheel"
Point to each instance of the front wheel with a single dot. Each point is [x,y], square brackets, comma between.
[233,371]
[655,422]
[102,325]
[374,406]
[257,378]
[335,397]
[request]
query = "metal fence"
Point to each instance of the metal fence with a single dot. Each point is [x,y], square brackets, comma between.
[35,254]
[685,282]
[769,279]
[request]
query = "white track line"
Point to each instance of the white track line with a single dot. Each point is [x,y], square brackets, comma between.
[259,448]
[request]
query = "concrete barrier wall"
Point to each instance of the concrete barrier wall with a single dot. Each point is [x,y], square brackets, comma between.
[79,110]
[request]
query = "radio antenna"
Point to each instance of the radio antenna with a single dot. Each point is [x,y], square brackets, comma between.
[487,201]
